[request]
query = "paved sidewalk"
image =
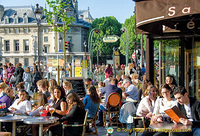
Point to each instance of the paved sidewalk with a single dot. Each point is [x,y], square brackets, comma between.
[118,131]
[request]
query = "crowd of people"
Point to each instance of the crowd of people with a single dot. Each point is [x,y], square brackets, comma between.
[138,95]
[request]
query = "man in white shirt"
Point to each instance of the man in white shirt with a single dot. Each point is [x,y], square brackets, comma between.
[131,92]
[21,105]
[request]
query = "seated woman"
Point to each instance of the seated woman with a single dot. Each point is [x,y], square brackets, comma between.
[59,102]
[67,87]
[147,104]
[4,98]
[92,102]
[76,114]
[42,101]
[160,106]
[20,105]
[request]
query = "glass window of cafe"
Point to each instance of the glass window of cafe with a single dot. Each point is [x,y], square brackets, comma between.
[167,51]
[170,51]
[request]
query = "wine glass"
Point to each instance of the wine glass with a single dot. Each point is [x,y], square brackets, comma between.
[51,110]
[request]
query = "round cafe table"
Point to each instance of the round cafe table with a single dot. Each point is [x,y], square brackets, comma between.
[40,121]
[13,119]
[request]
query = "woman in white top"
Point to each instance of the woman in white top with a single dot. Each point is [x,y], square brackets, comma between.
[147,104]
[163,104]
[20,105]
[42,101]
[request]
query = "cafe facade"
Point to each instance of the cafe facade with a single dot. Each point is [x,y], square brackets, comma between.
[175,24]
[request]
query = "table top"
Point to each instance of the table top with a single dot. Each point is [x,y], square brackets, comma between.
[40,120]
[170,126]
[11,118]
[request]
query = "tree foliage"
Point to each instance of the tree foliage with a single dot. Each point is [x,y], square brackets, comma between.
[134,39]
[58,11]
[107,26]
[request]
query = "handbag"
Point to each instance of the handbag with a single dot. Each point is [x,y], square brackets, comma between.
[13,79]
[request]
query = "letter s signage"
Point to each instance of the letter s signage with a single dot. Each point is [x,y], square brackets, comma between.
[172,11]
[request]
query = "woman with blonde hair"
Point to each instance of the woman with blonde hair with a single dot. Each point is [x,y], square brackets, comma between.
[52,84]
[10,93]
[147,104]
[4,98]
[27,79]
[67,87]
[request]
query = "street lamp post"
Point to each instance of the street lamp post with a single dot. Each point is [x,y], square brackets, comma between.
[123,29]
[114,49]
[38,15]
[90,47]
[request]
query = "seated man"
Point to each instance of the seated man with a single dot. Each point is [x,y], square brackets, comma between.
[131,92]
[190,107]
[111,88]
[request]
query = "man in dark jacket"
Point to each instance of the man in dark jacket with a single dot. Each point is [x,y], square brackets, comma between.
[190,107]
[111,88]
[19,73]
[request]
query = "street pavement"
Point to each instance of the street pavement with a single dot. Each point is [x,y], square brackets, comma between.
[118,131]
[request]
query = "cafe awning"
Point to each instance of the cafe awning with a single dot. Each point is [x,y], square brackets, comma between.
[157,16]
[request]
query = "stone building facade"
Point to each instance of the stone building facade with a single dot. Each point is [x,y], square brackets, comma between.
[19,35]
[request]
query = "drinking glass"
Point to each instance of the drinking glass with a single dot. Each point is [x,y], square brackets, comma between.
[3,105]
[51,110]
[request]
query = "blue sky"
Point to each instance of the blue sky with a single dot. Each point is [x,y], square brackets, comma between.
[121,9]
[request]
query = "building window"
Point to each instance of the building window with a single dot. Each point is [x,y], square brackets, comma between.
[70,38]
[45,49]
[16,61]
[46,30]
[16,20]
[7,45]
[26,62]
[7,60]
[25,30]
[6,31]
[16,30]
[16,44]
[26,45]
[45,39]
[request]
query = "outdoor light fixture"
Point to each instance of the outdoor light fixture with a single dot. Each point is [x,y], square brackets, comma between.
[38,16]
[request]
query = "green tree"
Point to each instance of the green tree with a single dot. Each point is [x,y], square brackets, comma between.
[134,39]
[60,11]
[107,26]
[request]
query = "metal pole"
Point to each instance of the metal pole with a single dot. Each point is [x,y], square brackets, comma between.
[97,54]
[136,53]
[91,52]
[127,44]
[38,25]
[142,50]
[113,62]
[64,50]
[160,63]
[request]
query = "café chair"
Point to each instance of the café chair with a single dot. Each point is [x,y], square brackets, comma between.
[93,122]
[77,125]
[137,126]
[113,107]
[5,133]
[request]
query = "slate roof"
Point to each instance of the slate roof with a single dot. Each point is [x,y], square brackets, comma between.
[22,12]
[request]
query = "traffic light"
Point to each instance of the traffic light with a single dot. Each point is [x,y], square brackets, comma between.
[67,44]
[96,31]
